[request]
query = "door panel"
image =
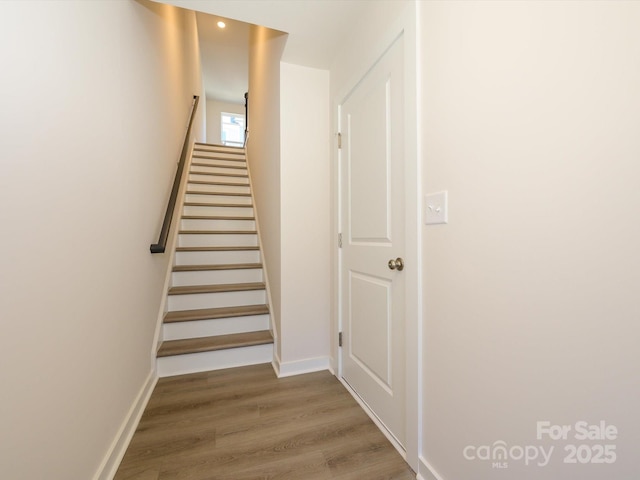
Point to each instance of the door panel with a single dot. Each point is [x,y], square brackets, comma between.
[370,325]
[367,122]
[372,223]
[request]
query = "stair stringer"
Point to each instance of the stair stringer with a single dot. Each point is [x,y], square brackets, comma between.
[171,250]
[272,322]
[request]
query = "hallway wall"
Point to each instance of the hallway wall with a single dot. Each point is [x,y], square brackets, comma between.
[263,153]
[531,113]
[95,98]
[305,224]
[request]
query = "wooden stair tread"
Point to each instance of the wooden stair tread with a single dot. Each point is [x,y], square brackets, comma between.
[203,152]
[205,204]
[199,151]
[198,164]
[224,148]
[217,232]
[217,146]
[228,184]
[219,288]
[219,342]
[229,266]
[214,217]
[216,249]
[224,194]
[207,157]
[214,313]
[236,175]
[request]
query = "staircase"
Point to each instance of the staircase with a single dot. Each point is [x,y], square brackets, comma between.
[217,307]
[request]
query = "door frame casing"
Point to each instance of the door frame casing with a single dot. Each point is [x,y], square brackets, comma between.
[405,25]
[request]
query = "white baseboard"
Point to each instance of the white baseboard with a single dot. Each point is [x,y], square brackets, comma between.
[426,471]
[111,461]
[288,369]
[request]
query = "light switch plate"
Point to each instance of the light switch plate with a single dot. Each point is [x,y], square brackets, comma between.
[435,208]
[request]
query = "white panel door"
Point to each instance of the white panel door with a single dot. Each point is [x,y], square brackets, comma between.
[372,225]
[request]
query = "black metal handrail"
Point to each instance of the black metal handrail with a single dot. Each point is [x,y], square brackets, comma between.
[246,117]
[168,216]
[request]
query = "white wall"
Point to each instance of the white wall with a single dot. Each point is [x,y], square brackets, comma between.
[95,97]
[530,121]
[214,109]
[263,150]
[305,218]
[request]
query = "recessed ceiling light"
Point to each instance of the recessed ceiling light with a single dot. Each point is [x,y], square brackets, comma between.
[221,24]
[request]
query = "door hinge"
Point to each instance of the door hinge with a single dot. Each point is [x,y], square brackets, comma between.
[340,339]
[339,140]
[339,240]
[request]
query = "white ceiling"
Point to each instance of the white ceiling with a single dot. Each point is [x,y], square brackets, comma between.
[225,58]
[315,27]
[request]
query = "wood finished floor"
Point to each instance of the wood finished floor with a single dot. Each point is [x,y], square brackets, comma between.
[246,424]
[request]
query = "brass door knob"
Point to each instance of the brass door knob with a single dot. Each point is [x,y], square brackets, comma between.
[397,264]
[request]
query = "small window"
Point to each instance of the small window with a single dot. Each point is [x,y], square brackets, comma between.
[232,133]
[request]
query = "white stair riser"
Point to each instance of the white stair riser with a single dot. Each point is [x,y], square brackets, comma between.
[217,258]
[217,240]
[219,159]
[218,178]
[207,169]
[216,360]
[218,188]
[217,147]
[216,197]
[200,224]
[218,211]
[217,277]
[217,154]
[215,300]
[225,199]
[218,326]
[219,162]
